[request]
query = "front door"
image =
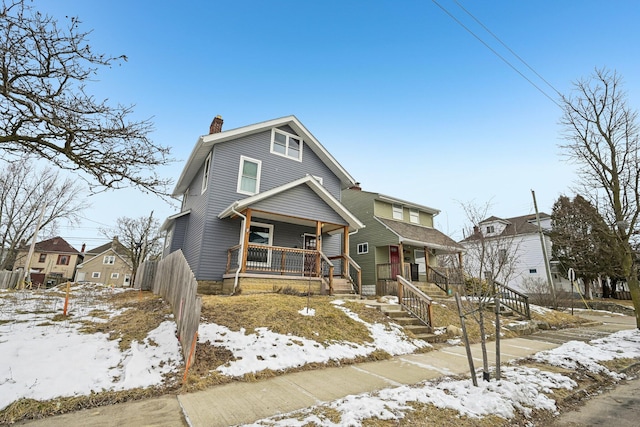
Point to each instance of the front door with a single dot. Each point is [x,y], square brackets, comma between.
[310,243]
[394,260]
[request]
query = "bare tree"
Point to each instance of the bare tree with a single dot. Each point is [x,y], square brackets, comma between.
[140,237]
[24,192]
[603,139]
[488,257]
[47,113]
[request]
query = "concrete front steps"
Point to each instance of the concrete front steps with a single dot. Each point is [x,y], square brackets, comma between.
[342,287]
[410,323]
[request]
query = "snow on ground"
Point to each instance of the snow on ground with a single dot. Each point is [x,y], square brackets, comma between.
[43,359]
[521,389]
[263,349]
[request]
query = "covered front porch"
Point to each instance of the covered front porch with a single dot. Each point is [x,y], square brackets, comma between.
[417,256]
[302,245]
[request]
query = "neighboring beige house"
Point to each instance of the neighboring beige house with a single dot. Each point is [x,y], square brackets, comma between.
[52,258]
[107,264]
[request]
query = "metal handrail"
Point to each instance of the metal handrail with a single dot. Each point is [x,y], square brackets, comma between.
[414,301]
[516,301]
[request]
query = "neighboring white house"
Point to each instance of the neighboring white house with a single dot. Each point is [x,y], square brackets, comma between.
[519,239]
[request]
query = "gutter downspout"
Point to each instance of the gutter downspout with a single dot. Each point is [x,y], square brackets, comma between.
[244,220]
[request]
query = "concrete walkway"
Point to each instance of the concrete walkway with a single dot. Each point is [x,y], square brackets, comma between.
[242,402]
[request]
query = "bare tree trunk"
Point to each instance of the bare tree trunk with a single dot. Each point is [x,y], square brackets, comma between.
[483,344]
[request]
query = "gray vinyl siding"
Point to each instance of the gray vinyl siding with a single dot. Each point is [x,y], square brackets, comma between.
[208,238]
[361,204]
[302,202]
[179,233]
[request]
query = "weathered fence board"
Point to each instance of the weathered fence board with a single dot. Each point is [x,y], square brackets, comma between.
[173,280]
[9,279]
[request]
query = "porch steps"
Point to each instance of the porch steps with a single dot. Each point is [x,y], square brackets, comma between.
[410,323]
[431,289]
[342,286]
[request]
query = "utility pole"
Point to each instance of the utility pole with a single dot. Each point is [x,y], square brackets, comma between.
[544,249]
[27,265]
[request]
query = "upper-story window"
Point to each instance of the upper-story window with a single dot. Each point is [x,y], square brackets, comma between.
[42,258]
[185,196]
[285,144]
[205,173]
[249,176]
[397,212]
[414,216]
[109,259]
[491,229]
[63,260]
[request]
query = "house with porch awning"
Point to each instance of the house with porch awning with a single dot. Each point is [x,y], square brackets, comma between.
[400,239]
[262,211]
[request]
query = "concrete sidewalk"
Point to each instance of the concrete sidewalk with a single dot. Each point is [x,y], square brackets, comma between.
[240,403]
[243,402]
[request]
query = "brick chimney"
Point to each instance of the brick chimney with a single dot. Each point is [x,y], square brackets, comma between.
[216,125]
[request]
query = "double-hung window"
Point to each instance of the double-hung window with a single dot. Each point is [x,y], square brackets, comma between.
[285,144]
[205,173]
[397,212]
[109,259]
[414,216]
[249,176]
[259,235]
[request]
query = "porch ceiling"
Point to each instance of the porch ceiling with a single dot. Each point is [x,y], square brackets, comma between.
[419,235]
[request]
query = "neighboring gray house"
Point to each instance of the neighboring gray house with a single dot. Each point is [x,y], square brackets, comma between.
[261,210]
[399,238]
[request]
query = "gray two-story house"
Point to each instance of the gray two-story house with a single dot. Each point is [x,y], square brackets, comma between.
[261,211]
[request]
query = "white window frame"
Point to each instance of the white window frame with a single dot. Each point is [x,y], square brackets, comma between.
[491,229]
[421,254]
[109,260]
[258,173]
[115,275]
[414,216]
[267,263]
[397,212]
[185,196]
[95,275]
[167,239]
[363,248]
[288,136]
[205,173]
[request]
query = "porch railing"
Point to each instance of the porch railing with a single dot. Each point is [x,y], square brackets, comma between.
[513,299]
[414,301]
[439,279]
[351,271]
[276,260]
[389,271]
[327,269]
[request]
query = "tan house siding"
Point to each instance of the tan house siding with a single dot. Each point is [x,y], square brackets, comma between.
[50,265]
[106,272]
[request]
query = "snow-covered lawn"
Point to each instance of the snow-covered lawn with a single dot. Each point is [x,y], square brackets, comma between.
[44,356]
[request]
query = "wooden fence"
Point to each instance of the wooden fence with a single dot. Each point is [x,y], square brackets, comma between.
[9,279]
[174,281]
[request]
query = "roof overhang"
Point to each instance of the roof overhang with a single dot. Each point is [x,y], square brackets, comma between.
[170,220]
[240,205]
[205,143]
[421,236]
[408,204]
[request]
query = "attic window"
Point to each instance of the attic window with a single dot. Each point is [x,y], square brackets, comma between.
[397,212]
[490,229]
[414,216]
[109,259]
[286,144]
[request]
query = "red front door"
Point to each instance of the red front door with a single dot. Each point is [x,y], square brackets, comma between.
[394,260]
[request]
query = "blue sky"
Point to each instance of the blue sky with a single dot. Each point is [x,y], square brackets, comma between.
[405,98]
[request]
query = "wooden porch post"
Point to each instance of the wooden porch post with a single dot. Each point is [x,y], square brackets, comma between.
[245,237]
[318,266]
[401,250]
[345,250]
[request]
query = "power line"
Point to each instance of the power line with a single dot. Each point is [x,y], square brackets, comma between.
[495,52]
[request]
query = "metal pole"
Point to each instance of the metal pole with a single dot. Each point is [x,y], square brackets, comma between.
[496,301]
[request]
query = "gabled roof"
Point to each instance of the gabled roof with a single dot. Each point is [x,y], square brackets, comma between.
[419,235]
[204,144]
[116,246]
[54,245]
[239,205]
[518,225]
